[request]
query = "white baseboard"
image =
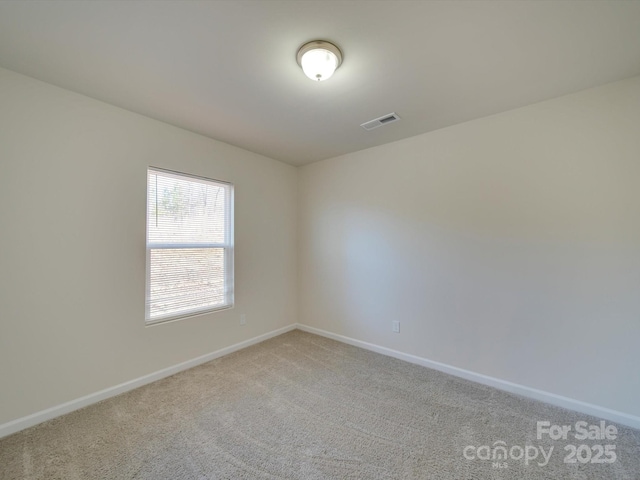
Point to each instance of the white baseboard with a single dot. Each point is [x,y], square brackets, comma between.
[558,400]
[44,415]
[551,398]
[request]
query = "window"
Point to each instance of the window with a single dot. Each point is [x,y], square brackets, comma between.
[189,245]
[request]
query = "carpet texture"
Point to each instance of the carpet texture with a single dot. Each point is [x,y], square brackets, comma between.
[300,406]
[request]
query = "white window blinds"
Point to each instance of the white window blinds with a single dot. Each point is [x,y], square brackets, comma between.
[189,245]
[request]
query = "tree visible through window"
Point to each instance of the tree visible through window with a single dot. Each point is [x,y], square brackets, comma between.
[189,245]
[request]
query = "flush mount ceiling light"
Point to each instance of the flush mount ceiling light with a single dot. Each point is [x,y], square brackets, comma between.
[319,59]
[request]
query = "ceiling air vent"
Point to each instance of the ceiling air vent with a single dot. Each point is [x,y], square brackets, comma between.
[380,121]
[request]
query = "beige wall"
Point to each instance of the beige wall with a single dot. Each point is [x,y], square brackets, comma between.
[72,245]
[508,246]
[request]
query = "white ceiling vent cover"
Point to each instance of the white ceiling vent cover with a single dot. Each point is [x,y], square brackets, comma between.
[380,121]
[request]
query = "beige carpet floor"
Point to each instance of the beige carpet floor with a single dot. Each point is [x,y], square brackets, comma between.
[300,406]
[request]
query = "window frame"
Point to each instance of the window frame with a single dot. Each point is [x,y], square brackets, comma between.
[227,246]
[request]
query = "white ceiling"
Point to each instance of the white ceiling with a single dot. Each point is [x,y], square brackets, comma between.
[227,69]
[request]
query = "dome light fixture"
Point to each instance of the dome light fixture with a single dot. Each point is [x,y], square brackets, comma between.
[319,59]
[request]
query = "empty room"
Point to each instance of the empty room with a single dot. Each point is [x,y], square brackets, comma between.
[282,239]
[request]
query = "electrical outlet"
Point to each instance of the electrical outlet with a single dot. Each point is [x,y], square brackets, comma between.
[243,319]
[395,326]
